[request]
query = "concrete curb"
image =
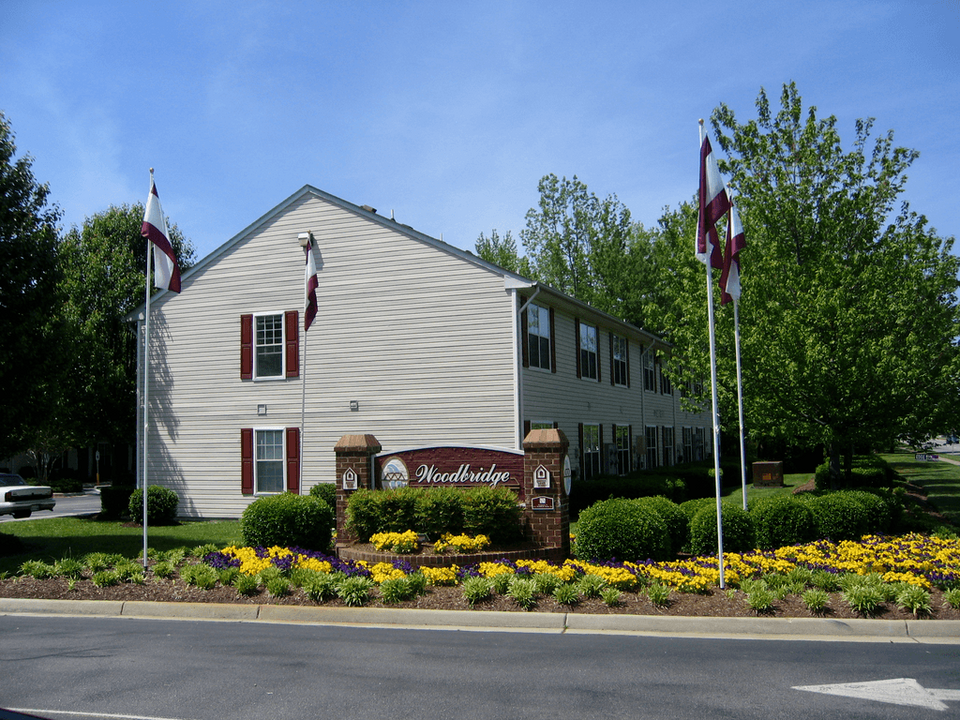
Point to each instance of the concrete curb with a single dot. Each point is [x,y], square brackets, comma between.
[860,630]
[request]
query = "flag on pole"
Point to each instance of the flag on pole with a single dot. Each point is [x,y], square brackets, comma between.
[310,287]
[166,273]
[714,202]
[736,241]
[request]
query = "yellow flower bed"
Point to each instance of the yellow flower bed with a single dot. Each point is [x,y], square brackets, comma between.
[441,576]
[405,542]
[461,543]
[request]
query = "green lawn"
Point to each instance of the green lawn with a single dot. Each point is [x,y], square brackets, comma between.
[790,483]
[940,480]
[57,538]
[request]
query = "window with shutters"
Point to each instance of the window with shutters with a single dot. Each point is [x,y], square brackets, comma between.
[268,469]
[687,445]
[667,445]
[649,372]
[269,346]
[589,367]
[590,452]
[538,336]
[623,449]
[619,357]
[652,457]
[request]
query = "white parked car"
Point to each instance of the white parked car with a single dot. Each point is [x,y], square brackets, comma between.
[19,499]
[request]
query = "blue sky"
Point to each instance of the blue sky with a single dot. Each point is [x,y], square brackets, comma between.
[449,113]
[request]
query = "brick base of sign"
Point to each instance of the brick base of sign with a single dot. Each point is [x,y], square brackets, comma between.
[538,477]
[352,552]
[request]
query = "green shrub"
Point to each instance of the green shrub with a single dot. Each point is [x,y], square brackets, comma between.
[395,590]
[690,508]
[738,531]
[115,501]
[915,599]
[477,589]
[363,513]
[355,590]
[440,510]
[322,587]
[659,594]
[106,578]
[246,584]
[523,591]
[610,596]
[566,594]
[878,516]
[591,585]
[397,509]
[163,569]
[287,520]
[326,492]
[816,600]
[162,505]
[69,568]
[678,527]
[278,587]
[839,516]
[38,569]
[782,520]
[864,598]
[761,600]
[622,529]
[493,512]
[199,575]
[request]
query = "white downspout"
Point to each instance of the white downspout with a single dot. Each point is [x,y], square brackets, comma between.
[513,285]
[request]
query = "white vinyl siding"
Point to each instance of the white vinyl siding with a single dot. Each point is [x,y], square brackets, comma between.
[385,337]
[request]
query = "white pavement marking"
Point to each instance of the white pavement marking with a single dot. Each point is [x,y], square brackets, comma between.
[898,691]
[77,713]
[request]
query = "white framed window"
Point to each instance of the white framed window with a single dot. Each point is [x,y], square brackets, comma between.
[667,445]
[590,452]
[687,444]
[268,345]
[589,367]
[652,456]
[699,437]
[649,372]
[666,387]
[619,360]
[268,468]
[623,449]
[538,336]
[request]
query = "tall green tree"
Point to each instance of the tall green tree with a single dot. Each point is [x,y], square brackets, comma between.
[29,303]
[502,251]
[849,309]
[588,248]
[104,278]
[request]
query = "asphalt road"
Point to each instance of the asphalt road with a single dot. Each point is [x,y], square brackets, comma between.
[62,667]
[85,504]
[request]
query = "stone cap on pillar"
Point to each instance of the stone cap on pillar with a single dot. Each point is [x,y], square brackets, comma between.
[358,443]
[549,437]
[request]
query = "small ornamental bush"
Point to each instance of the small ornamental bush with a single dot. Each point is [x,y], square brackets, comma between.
[355,590]
[839,516]
[523,591]
[675,519]
[162,505]
[738,531]
[591,585]
[477,589]
[199,575]
[876,510]
[610,596]
[621,529]
[493,512]
[37,569]
[915,599]
[278,587]
[816,600]
[321,588]
[659,594]
[397,509]
[439,511]
[326,491]
[287,520]
[246,584]
[864,598]
[395,590]
[68,568]
[106,578]
[761,600]
[163,569]
[363,513]
[951,597]
[782,520]
[566,594]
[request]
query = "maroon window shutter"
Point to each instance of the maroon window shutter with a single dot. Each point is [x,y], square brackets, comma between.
[246,347]
[612,373]
[599,364]
[246,461]
[553,343]
[576,334]
[293,460]
[524,339]
[291,333]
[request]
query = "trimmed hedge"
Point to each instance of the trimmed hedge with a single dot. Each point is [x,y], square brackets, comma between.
[782,520]
[493,512]
[115,501]
[627,530]
[678,526]
[326,491]
[738,531]
[288,520]
[162,505]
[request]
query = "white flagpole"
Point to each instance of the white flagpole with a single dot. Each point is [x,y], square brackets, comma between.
[716,417]
[146,390]
[743,444]
[303,405]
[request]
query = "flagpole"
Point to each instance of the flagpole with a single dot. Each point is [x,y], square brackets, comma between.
[714,403]
[303,406]
[743,444]
[146,391]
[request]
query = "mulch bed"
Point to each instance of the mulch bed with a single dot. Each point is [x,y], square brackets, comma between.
[718,603]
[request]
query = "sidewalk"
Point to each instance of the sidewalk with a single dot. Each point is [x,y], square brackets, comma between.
[855,630]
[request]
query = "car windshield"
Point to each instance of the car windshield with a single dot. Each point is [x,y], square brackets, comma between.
[12,480]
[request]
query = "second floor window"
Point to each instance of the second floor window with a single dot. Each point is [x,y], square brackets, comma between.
[649,372]
[619,352]
[538,336]
[268,334]
[588,352]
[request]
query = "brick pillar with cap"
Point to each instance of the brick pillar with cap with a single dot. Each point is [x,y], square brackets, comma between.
[547,512]
[355,455]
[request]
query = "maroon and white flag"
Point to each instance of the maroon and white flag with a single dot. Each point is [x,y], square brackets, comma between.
[714,202]
[166,272]
[310,287]
[736,241]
